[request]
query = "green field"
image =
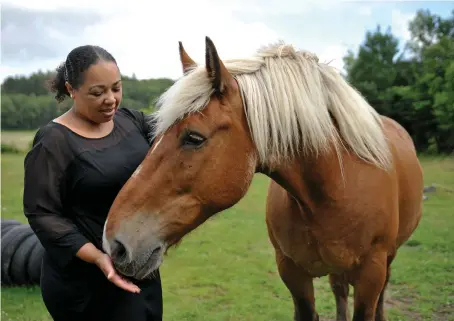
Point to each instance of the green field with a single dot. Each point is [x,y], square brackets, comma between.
[225,270]
[19,139]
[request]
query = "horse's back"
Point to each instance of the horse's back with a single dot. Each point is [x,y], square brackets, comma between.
[410,178]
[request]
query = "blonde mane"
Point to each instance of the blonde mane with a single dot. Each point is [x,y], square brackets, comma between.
[289,99]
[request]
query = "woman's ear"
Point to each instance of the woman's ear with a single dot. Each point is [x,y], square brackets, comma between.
[70,89]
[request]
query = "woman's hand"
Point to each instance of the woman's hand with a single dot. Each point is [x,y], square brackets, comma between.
[104,262]
[89,253]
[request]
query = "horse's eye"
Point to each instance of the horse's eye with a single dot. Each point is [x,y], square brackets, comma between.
[192,139]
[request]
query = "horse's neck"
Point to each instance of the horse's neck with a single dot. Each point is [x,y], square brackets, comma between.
[311,181]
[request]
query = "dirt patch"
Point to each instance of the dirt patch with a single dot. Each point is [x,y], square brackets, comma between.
[445,312]
[394,299]
[402,298]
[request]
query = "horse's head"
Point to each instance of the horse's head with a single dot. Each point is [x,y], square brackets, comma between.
[201,163]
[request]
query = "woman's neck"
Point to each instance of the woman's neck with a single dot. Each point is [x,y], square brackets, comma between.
[83,126]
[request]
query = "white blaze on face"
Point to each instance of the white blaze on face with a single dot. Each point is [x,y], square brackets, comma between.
[159,141]
[105,244]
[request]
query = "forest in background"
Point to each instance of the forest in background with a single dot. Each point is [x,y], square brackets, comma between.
[411,82]
[28,104]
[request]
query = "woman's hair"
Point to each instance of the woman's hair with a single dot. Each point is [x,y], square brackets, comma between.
[73,68]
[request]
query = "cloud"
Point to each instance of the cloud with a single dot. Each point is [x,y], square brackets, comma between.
[278,7]
[27,36]
[365,10]
[87,6]
[400,23]
[142,37]
[146,41]
[333,55]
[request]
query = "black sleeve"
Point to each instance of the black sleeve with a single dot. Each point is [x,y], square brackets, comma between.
[43,192]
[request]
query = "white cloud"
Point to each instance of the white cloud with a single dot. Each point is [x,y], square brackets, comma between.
[146,41]
[333,54]
[143,35]
[400,23]
[365,10]
[280,7]
[101,5]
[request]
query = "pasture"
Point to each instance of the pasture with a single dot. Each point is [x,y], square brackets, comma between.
[20,139]
[225,270]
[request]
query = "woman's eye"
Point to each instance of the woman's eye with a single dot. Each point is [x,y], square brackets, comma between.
[97,94]
[192,139]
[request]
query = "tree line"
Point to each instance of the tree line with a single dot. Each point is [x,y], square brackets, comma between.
[28,104]
[413,85]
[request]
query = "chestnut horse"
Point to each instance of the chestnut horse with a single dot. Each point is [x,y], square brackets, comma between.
[346,184]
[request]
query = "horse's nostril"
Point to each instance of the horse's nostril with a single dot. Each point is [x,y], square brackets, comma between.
[119,252]
[156,250]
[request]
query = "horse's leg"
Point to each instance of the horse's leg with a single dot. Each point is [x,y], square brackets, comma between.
[296,279]
[297,282]
[339,286]
[368,285]
[380,313]
[300,286]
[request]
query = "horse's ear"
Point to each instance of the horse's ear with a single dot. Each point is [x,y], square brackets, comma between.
[220,76]
[186,61]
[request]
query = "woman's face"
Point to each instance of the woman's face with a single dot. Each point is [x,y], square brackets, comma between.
[98,98]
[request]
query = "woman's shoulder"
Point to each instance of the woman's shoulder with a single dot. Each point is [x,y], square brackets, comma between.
[51,139]
[51,145]
[49,135]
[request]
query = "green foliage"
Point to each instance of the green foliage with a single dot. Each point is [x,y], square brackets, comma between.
[416,87]
[22,111]
[28,104]
[6,148]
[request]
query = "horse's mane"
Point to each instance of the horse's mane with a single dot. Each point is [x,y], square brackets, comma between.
[290,101]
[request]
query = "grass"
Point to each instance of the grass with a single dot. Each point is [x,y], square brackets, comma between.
[225,270]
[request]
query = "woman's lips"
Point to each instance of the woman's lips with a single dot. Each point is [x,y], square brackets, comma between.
[108,112]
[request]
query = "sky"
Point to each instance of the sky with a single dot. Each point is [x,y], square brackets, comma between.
[143,36]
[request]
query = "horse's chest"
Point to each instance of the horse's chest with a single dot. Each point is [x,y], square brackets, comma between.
[298,243]
[296,239]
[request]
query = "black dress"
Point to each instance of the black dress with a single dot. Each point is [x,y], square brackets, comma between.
[70,184]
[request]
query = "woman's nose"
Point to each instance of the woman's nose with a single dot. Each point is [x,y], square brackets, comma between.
[110,98]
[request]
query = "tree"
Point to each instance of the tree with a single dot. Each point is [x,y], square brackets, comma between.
[373,71]
[415,87]
[432,46]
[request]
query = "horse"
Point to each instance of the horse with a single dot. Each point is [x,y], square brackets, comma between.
[345,182]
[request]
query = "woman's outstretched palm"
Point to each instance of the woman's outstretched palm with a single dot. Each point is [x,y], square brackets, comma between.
[105,264]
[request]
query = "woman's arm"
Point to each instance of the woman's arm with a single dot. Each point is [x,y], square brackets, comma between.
[44,188]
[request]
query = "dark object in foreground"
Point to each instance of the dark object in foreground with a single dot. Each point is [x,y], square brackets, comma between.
[430,189]
[21,254]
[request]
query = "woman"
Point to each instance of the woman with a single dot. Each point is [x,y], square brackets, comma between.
[78,164]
